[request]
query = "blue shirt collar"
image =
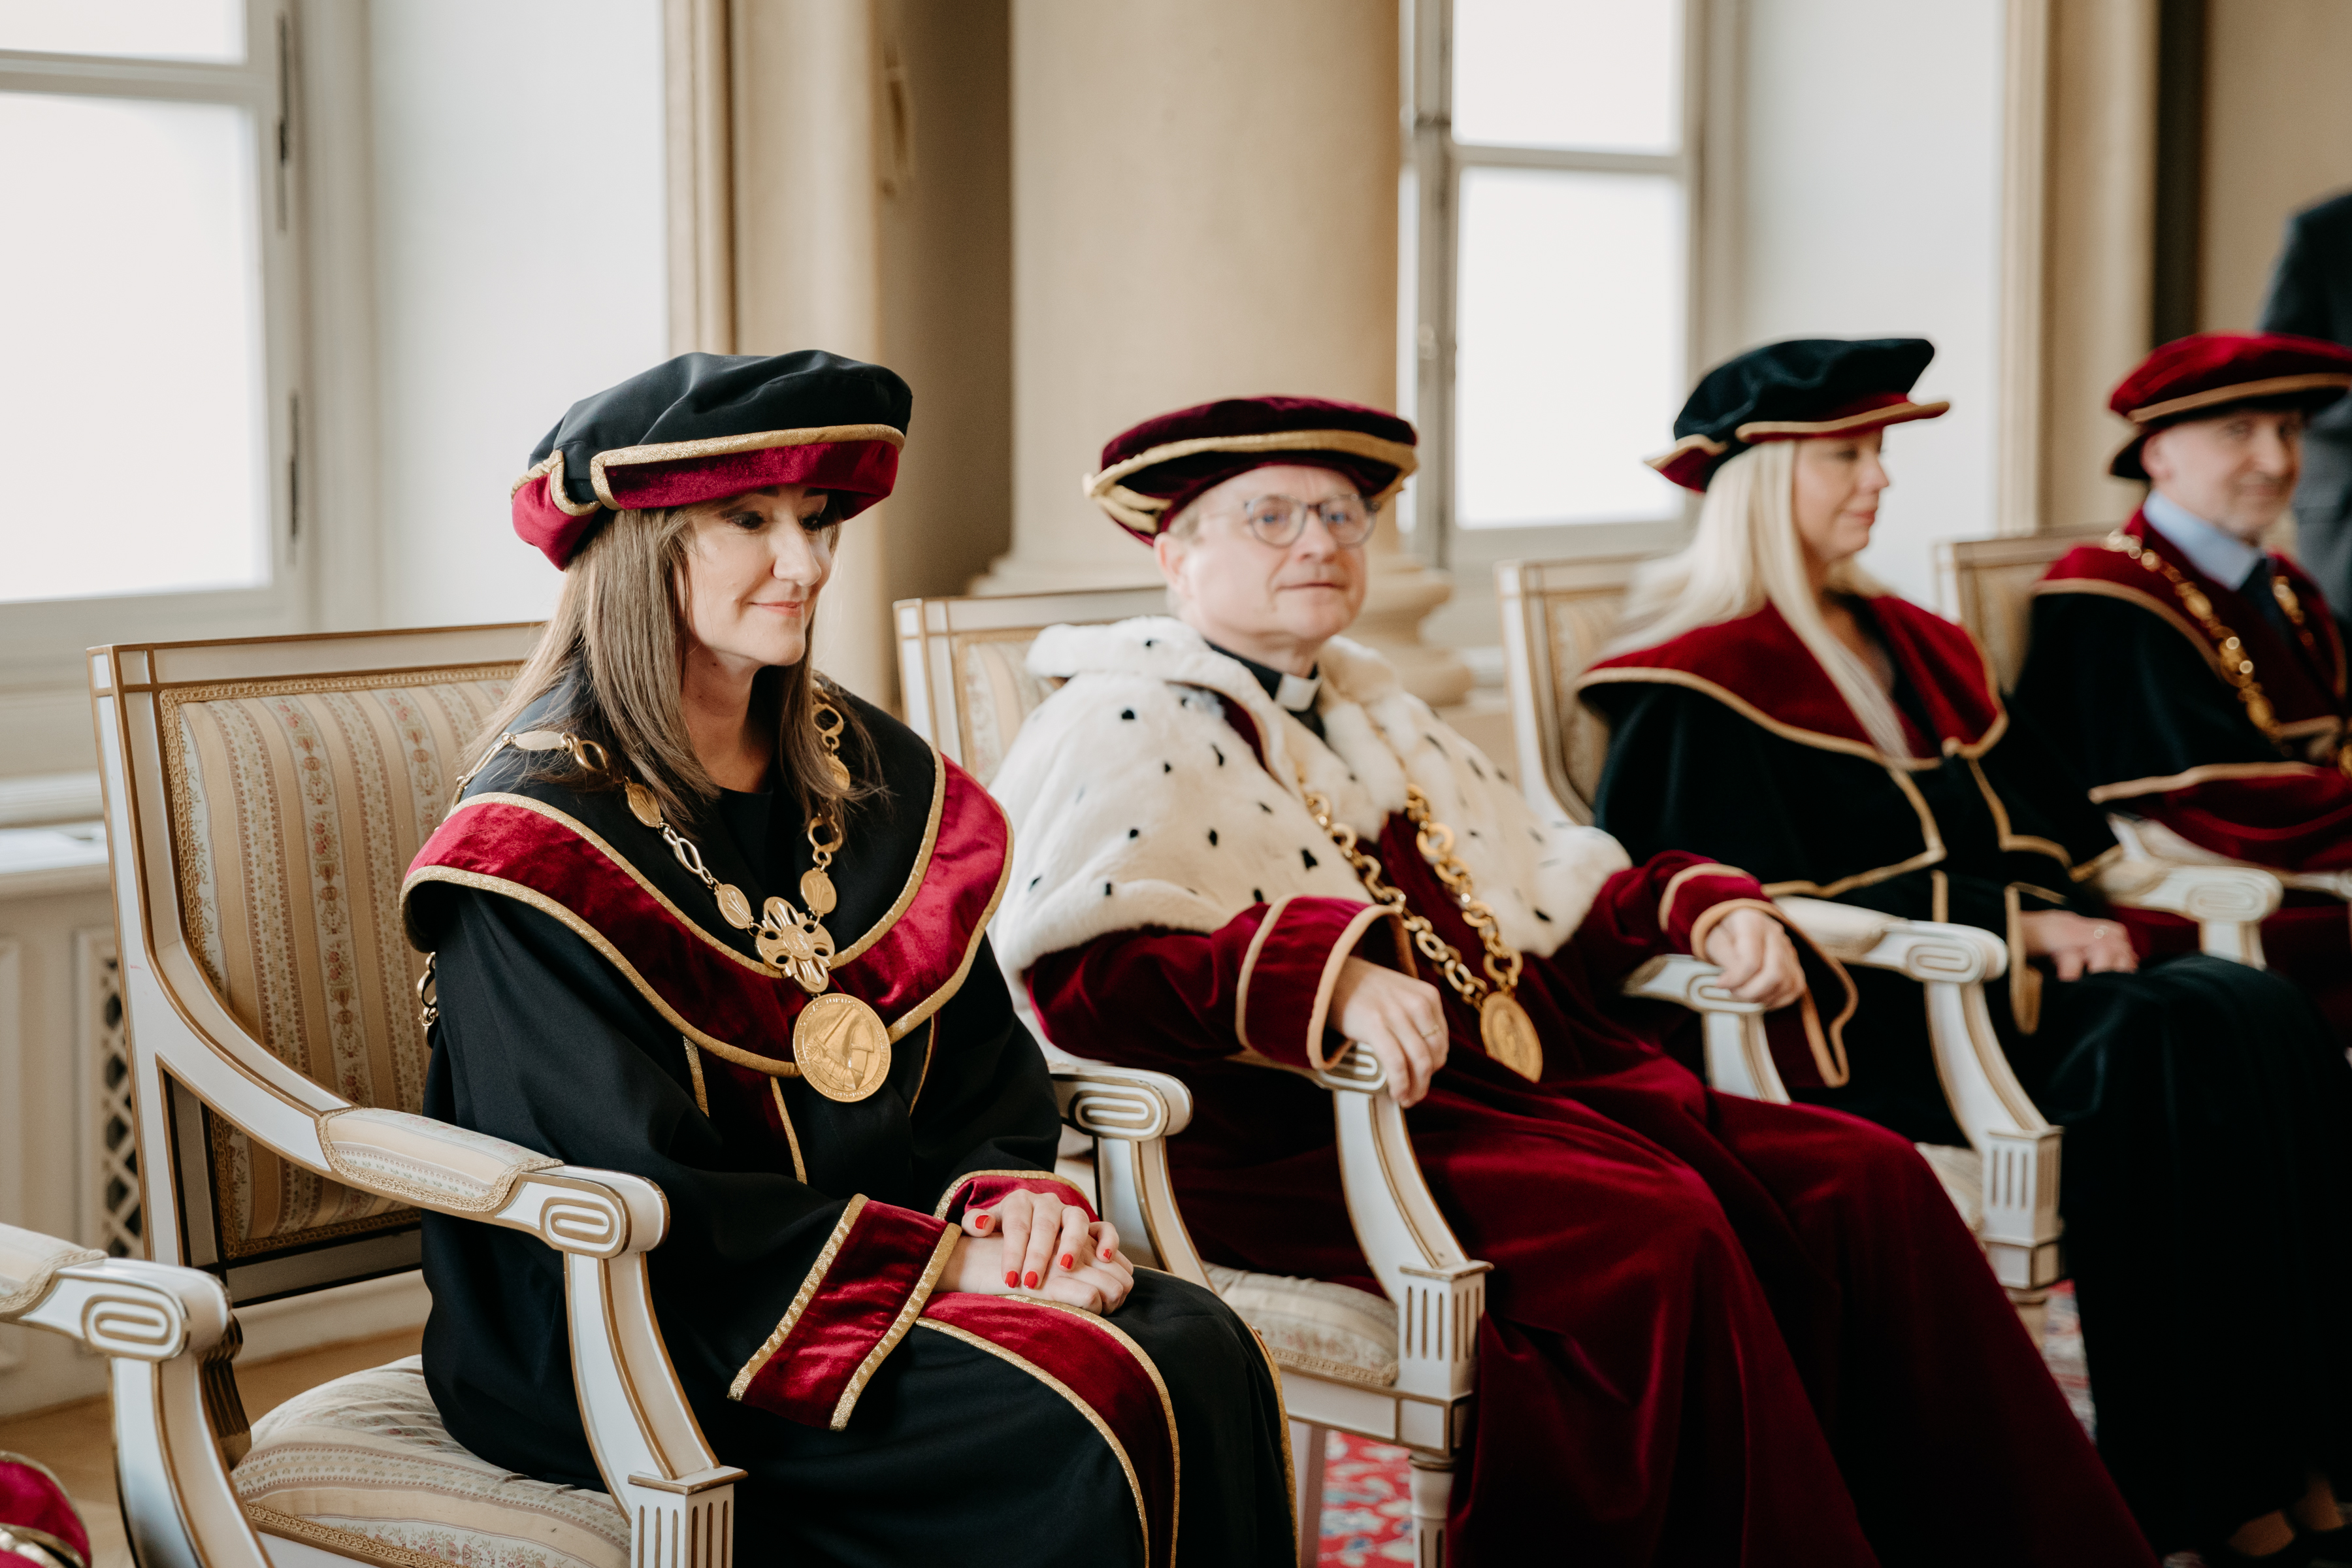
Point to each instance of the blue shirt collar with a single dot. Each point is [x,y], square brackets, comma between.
[2222,557]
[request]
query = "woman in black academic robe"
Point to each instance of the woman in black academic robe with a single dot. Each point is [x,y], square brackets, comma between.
[701,916]
[1770,707]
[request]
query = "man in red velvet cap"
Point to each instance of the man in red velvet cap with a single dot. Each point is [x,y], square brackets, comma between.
[2195,679]
[1716,1330]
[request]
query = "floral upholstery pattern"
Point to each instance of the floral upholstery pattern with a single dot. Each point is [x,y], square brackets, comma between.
[367,1456]
[997,693]
[1315,1326]
[296,807]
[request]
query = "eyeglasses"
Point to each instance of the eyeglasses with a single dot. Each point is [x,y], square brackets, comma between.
[1278,521]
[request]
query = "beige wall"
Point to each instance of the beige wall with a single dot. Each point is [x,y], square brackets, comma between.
[947,290]
[2278,136]
[1204,204]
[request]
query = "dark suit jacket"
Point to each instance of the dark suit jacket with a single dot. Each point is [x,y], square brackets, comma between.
[2311,294]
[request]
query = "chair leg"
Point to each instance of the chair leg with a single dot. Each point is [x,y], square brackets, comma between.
[1308,1449]
[1432,1489]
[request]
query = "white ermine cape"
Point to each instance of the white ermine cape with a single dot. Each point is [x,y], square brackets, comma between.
[1134,803]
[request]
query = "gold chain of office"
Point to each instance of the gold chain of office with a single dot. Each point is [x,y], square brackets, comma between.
[839,1042]
[1504,1026]
[2236,664]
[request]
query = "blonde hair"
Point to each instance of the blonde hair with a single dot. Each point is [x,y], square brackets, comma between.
[615,650]
[1744,556]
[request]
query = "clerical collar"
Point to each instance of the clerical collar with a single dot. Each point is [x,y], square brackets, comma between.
[2222,556]
[1295,692]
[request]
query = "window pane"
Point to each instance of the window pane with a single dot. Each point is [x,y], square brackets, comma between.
[131,418]
[147,29]
[1599,74]
[1569,346]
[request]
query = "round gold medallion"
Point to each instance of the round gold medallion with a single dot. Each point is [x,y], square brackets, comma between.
[816,892]
[734,906]
[842,1047]
[1509,1035]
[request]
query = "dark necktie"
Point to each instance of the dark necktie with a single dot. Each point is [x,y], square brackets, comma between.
[2257,587]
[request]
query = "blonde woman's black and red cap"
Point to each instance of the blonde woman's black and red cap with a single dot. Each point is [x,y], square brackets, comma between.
[1803,389]
[2206,374]
[1151,472]
[703,426]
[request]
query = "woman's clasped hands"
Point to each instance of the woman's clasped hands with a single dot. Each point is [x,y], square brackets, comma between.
[1035,1244]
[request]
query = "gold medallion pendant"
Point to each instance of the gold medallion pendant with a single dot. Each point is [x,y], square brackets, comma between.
[1509,1035]
[842,1047]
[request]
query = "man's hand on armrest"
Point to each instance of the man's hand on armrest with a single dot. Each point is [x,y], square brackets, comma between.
[1396,1018]
[1758,959]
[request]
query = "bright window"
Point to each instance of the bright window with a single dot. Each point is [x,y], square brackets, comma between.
[1554,285]
[149,412]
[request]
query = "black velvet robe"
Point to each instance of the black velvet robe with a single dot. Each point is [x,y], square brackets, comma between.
[2206,1172]
[867,1440]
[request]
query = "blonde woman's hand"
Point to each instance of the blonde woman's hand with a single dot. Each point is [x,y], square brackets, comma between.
[1758,959]
[1397,1018]
[1035,1244]
[2077,946]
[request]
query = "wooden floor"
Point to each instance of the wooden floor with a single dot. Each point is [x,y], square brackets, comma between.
[76,1440]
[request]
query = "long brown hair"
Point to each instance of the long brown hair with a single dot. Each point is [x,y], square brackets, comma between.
[615,649]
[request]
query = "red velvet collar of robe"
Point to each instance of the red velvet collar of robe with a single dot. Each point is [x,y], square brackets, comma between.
[2299,689]
[1757,666]
[905,968]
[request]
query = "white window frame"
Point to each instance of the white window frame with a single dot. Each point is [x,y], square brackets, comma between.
[1431,248]
[41,641]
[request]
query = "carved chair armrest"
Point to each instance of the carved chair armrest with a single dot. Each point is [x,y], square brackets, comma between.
[1131,1113]
[2228,903]
[1952,964]
[178,1422]
[1738,1055]
[648,1447]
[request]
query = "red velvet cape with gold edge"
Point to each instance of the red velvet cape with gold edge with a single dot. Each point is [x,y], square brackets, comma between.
[1713,1324]
[2201,1101]
[2128,686]
[594,1005]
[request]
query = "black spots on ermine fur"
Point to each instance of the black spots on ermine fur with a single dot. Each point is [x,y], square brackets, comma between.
[1213,838]
[1127,713]
[1221,752]
[1135,833]
[1265,809]
[1257,896]
[1308,856]
[1166,768]
[1105,890]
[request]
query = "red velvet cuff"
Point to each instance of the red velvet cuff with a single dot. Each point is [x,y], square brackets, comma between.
[1691,893]
[985,1189]
[1284,1000]
[864,1292]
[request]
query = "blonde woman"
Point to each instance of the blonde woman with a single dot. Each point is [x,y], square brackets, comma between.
[702,915]
[1772,706]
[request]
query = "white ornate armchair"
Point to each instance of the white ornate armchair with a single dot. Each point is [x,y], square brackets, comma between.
[263,801]
[1398,1367]
[178,1421]
[1989,583]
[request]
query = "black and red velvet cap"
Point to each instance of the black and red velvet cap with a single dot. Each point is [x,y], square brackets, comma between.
[703,426]
[1800,390]
[1153,472]
[2206,374]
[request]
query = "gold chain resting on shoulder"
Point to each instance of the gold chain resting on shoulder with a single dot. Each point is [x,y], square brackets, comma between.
[1504,1026]
[2237,664]
[838,1041]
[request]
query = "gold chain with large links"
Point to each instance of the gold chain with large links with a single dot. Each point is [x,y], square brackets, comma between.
[2237,665]
[839,1042]
[1504,1026]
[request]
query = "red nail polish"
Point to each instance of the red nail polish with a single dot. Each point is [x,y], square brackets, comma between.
[1106,1255]
[1011,1277]
[980,1222]
[1031,1279]
[1068,1261]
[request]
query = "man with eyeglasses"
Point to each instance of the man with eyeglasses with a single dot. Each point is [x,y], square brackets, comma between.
[1240,844]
